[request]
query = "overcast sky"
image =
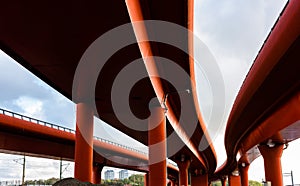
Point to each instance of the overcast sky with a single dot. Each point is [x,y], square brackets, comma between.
[232,30]
[25,94]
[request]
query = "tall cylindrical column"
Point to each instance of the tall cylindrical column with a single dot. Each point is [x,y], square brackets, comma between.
[200,180]
[97,169]
[243,169]
[272,162]
[223,181]
[172,183]
[183,166]
[157,148]
[234,180]
[84,143]
[146,179]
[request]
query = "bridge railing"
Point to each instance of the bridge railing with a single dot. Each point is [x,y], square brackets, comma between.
[37,121]
[65,129]
[120,145]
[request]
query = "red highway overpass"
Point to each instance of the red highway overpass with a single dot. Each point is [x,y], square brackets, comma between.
[50,37]
[266,111]
[25,135]
[57,36]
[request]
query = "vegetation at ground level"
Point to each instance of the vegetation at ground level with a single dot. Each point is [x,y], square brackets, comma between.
[251,183]
[133,180]
[50,181]
[254,183]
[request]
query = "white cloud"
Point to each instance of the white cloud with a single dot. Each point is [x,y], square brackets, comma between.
[25,93]
[105,131]
[9,168]
[234,31]
[36,168]
[256,170]
[289,159]
[31,107]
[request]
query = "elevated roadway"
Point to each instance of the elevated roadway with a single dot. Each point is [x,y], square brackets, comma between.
[25,135]
[266,111]
[49,38]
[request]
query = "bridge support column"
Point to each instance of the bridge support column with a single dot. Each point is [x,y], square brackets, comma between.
[223,181]
[234,180]
[272,162]
[183,166]
[157,147]
[84,143]
[146,179]
[244,174]
[97,169]
[171,183]
[199,180]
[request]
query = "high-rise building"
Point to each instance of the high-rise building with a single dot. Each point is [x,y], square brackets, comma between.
[123,174]
[109,175]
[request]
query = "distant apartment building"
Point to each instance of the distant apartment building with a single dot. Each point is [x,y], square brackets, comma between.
[109,175]
[123,174]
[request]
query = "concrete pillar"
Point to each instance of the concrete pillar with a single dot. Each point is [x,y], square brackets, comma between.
[146,179]
[157,148]
[183,166]
[84,143]
[272,162]
[97,169]
[199,180]
[234,180]
[223,181]
[172,183]
[243,169]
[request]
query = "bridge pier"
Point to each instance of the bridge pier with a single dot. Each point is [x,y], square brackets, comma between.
[97,169]
[244,174]
[272,162]
[234,180]
[199,180]
[183,165]
[157,147]
[84,142]
[146,179]
[171,183]
[223,181]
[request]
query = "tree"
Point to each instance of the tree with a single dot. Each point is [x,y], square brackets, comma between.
[126,181]
[51,181]
[136,180]
[216,183]
[254,183]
